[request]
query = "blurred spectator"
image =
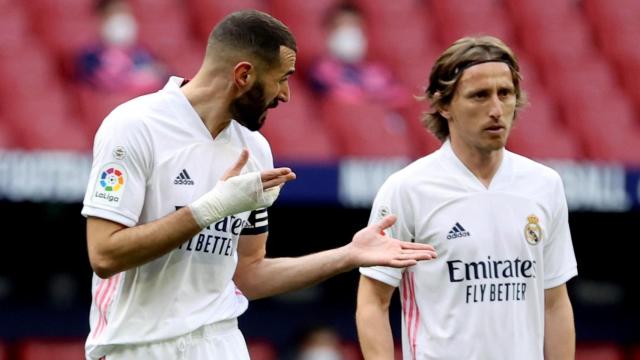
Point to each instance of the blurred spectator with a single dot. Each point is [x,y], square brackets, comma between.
[345,72]
[318,342]
[117,63]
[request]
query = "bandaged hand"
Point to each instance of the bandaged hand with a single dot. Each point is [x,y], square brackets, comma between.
[233,196]
[236,193]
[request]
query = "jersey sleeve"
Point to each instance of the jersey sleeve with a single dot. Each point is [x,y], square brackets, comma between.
[122,160]
[559,259]
[387,202]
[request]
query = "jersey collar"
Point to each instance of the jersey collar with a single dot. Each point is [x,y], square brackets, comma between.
[187,115]
[501,179]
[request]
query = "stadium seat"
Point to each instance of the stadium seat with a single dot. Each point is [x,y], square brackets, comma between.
[207,13]
[168,36]
[261,350]
[94,106]
[14,26]
[305,19]
[7,139]
[599,351]
[350,350]
[458,18]
[295,131]
[538,134]
[65,26]
[366,130]
[406,44]
[45,123]
[422,140]
[4,348]
[38,349]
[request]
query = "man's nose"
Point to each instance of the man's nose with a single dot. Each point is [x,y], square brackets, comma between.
[496,110]
[285,93]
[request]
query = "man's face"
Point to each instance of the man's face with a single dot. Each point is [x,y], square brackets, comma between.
[250,109]
[481,112]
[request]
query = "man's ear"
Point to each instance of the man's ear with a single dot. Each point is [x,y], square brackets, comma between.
[443,109]
[243,75]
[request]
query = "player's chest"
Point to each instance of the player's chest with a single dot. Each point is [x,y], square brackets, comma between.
[486,225]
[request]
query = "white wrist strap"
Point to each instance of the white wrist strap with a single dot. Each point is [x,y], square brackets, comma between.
[232,196]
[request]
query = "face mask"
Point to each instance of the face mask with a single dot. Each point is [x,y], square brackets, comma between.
[321,353]
[348,43]
[120,30]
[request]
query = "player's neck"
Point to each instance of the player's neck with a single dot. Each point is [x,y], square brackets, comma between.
[484,164]
[210,102]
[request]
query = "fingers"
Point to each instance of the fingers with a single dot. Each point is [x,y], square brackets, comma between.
[236,169]
[386,222]
[415,246]
[276,177]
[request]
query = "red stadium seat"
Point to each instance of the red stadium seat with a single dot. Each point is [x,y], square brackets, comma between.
[296,133]
[350,350]
[65,26]
[366,130]
[599,351]
[8,140]
[261,350]
[422,140]
[168,36]
[94,106]
[46,123]
[34,349]
[458,18]
[4,351]
[305,19]
[207,13]
[634,352]
[538,134]
[14,27]
[406,44]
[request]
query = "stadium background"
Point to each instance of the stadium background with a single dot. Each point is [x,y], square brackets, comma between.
[581,64]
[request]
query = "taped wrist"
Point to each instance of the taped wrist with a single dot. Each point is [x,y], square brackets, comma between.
[232,196]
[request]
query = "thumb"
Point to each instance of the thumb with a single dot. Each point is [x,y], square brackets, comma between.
[236,169]
[386,222]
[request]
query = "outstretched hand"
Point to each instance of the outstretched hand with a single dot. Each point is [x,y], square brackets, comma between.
[370,246]
[270,178]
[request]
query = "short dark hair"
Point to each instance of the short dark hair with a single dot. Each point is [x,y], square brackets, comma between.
[448,69]
[255,32]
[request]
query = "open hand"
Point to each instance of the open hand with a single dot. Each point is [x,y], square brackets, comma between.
[370,246]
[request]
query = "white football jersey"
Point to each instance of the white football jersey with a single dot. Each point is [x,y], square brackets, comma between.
[498,249]
[153,155]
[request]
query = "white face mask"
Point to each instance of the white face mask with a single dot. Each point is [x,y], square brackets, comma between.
[320,353]
[348,43]
[120,30]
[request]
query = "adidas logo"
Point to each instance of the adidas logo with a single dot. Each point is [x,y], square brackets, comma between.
[457,231]
[183,178]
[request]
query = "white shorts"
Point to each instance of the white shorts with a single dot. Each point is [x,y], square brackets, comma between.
[222,341]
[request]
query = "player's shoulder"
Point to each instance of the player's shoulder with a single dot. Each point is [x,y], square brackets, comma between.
[416,171]
[531,169]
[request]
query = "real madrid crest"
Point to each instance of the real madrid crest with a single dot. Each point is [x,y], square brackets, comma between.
[533,231]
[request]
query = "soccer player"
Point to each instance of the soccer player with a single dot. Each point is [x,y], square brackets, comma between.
[498,221]
[177,244]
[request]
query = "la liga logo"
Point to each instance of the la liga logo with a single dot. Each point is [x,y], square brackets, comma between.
[111,179]
[110,185]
